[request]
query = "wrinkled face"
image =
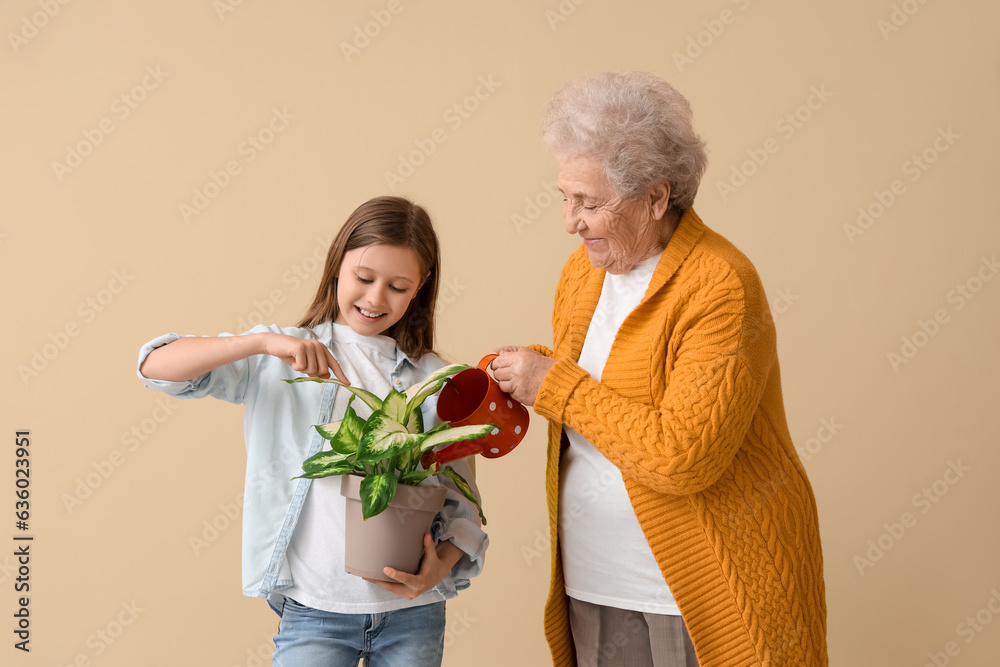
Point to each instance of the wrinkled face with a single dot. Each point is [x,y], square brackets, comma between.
[375,286]
[618,234]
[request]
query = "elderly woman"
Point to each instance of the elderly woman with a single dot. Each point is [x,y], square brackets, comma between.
[680,513]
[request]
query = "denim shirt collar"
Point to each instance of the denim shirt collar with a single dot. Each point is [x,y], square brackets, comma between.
[384,344]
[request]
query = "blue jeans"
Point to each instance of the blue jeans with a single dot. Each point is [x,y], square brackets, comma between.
[309,637]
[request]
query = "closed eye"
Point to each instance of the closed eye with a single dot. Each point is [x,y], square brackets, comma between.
[577,204]
[369,281]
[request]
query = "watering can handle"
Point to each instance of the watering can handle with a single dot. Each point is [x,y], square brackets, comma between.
[485,361]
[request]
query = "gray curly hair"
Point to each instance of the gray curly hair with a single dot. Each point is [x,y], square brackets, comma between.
[636,125]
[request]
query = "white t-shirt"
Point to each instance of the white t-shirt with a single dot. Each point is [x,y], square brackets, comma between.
[316,551]
[606,559]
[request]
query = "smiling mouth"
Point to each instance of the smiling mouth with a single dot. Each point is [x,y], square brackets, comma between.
[368,314]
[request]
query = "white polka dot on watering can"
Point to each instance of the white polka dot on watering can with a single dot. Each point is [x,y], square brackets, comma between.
[493,406]
[494,431]
[509,404]
[494,451]
[517,429]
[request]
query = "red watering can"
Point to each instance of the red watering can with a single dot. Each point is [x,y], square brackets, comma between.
[473,397]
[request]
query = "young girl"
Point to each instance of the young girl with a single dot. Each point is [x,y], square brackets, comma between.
[372,323]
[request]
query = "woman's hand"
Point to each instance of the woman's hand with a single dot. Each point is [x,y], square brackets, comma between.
[311,357]
[519,371]
[435,566]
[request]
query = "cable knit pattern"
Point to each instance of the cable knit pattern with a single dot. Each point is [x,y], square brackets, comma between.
[689,408]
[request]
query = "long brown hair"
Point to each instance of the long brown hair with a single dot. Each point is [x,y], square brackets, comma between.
[390,221]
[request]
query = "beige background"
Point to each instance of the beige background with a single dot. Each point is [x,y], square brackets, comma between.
[97,258]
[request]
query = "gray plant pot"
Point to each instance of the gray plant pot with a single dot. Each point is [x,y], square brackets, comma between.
[393,538]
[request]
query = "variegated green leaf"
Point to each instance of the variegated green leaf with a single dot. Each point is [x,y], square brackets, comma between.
[328,431]
[466,490]
[349,434]
[338,468]
[344,435]
[377,491]
[384,438]
[380,446]
[440,427]
[457,434]
[414,477]
[328,472]
[419,392]
[379,421]
[394,406]
[415,422]
[404,459]
[323,459]
[370,399]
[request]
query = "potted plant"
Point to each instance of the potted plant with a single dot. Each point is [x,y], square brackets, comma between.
[379,459]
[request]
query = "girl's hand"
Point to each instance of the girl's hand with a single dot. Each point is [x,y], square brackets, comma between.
[311,357]
[519,371]
[435,566]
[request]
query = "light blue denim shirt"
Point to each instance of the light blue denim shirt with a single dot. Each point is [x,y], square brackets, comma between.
[277,423]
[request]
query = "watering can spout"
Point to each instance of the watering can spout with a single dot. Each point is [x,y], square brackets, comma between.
[454,452]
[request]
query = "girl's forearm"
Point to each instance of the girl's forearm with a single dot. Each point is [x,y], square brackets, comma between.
[187,358]
[448,554]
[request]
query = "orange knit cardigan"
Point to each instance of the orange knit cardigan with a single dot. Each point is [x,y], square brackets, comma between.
[689,408]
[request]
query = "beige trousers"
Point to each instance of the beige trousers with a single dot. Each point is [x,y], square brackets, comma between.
[612,637]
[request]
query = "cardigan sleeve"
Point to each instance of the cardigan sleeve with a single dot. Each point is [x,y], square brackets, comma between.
[725,348]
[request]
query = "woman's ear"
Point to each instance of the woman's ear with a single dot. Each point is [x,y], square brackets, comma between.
[659,200]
